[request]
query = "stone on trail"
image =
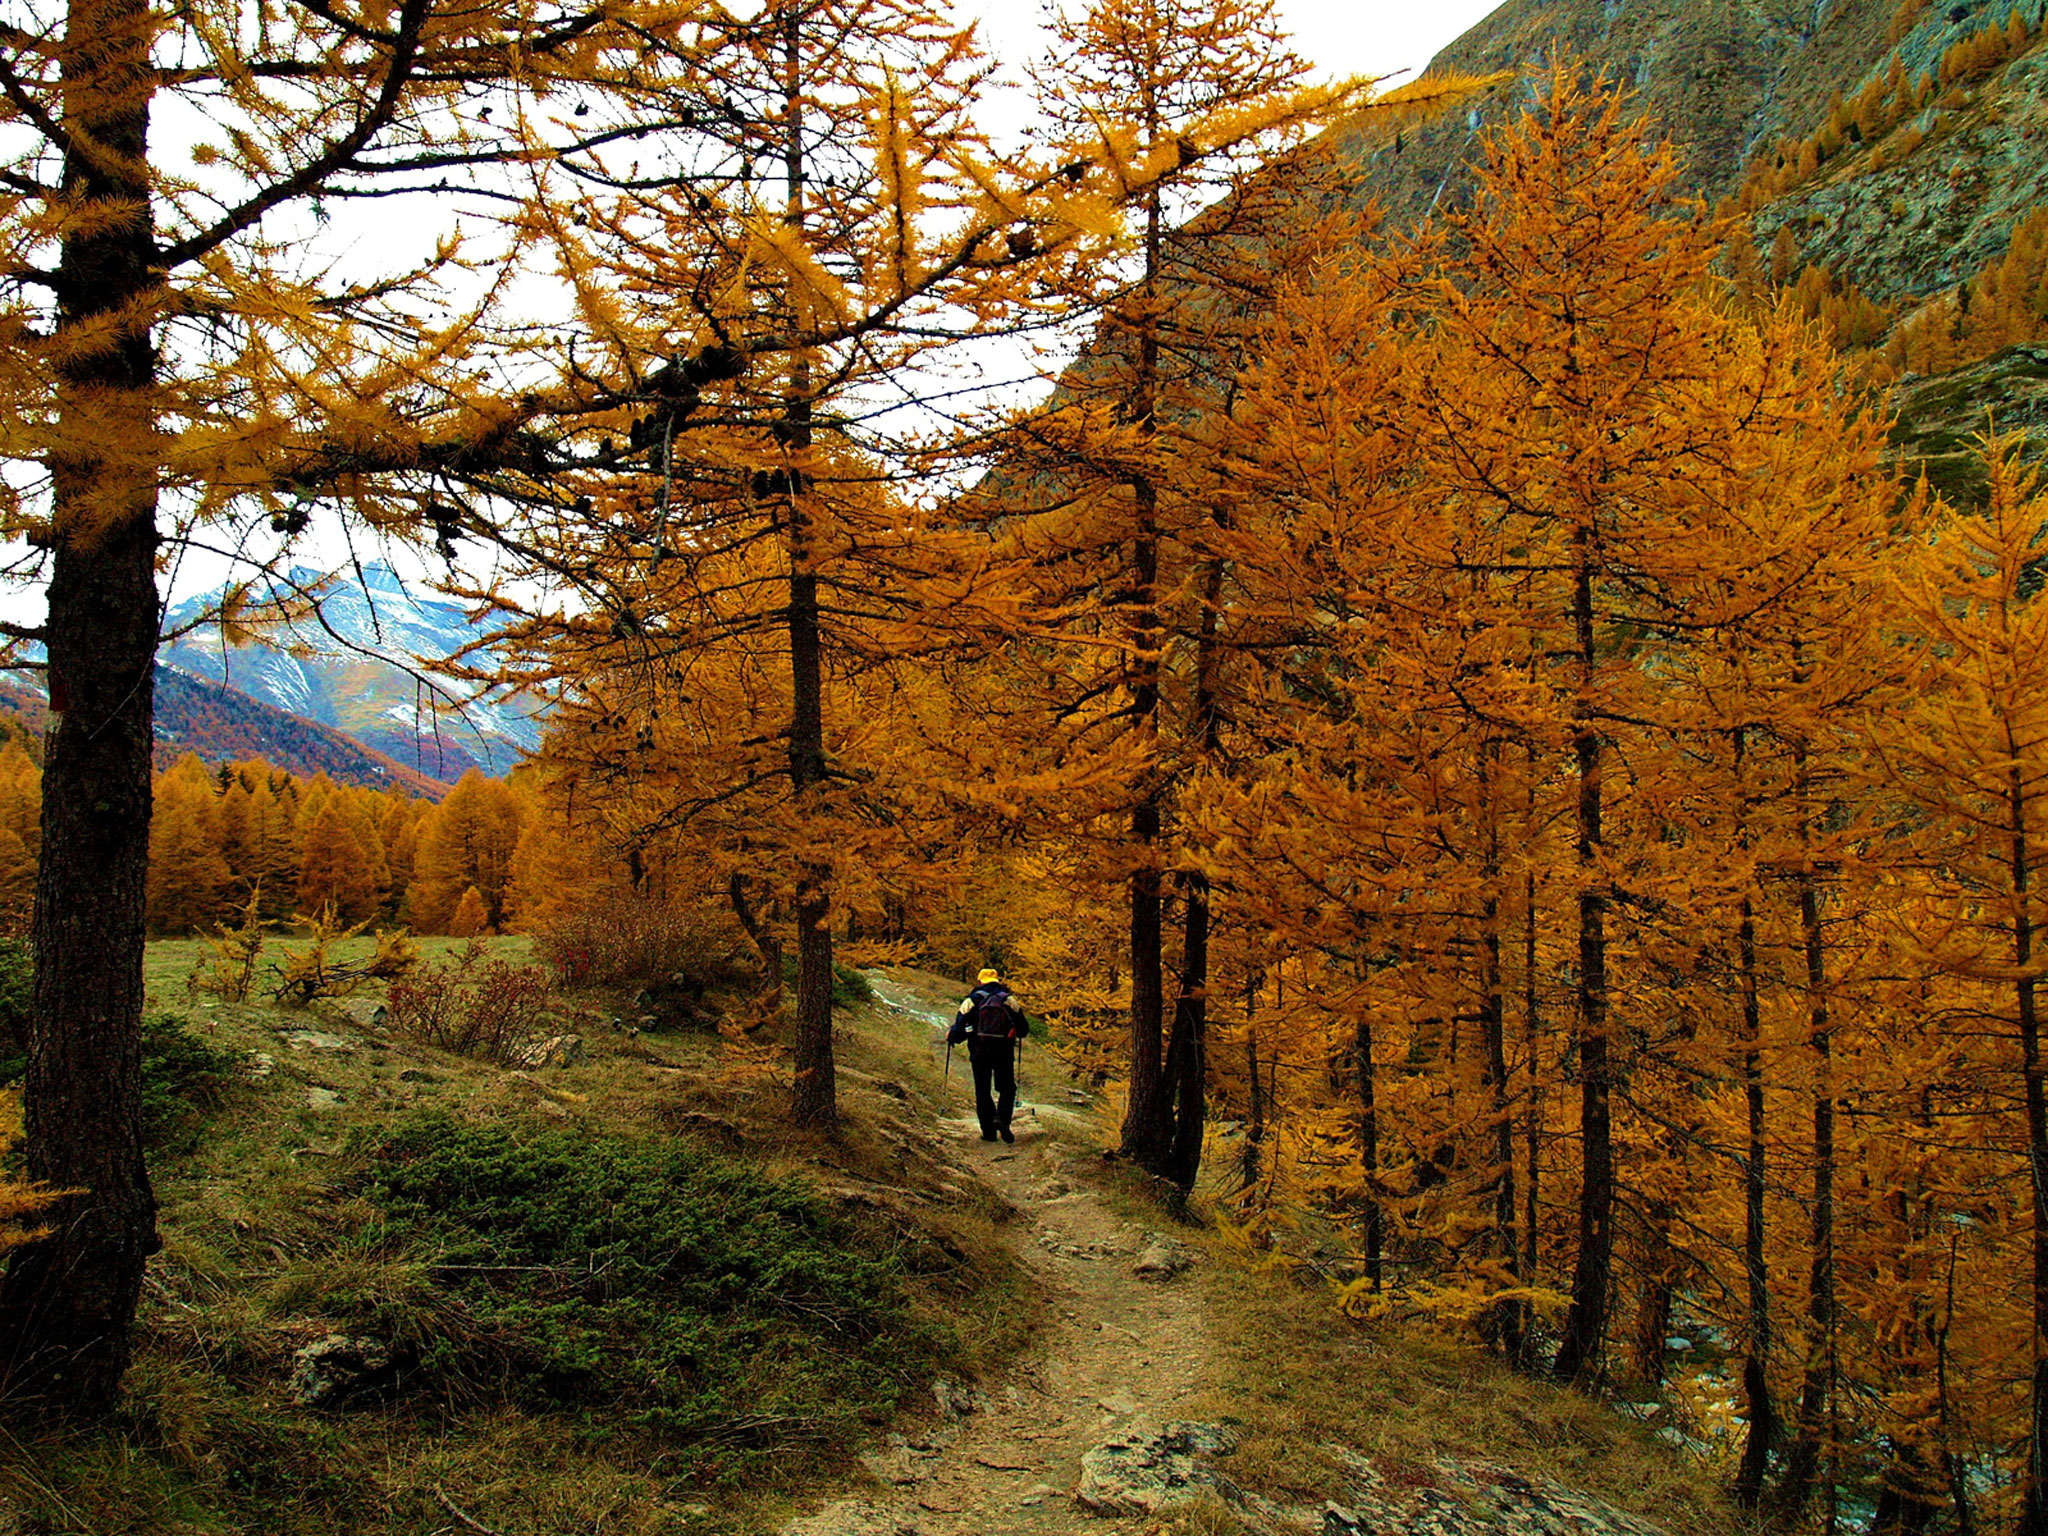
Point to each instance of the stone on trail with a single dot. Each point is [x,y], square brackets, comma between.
[361,1012]
[1161,1258]
[957,1398]
[1147,1468]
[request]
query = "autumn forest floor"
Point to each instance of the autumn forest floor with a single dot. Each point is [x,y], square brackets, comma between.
[966,1344]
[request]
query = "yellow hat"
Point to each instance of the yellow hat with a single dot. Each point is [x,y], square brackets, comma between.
[987,976]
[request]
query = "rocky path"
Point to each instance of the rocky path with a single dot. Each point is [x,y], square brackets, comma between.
[1127,1349]
[1096,1433]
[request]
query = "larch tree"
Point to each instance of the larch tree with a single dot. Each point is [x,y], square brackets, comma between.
[468,843]
[162,340]
[335,870]
[1968,751]
[1118,583]
[737,586]
[1575,397]
[188,879]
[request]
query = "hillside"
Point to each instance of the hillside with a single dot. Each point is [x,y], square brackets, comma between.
[355,666]
[1728,81]
[222,724]
[1881,150]
[406,1290]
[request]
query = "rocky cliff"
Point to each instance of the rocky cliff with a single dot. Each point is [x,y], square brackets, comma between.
[1896,143]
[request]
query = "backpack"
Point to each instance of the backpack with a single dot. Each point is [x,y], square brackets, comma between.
[993,1019]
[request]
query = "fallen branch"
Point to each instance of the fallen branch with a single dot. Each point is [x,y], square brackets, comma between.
[455,1509]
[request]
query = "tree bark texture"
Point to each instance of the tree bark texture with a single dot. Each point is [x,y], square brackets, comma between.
[1756,1386]
[2034,1508]
[1578,1353]
[814,1103]
[68,1303]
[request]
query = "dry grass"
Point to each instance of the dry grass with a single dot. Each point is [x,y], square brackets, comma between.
[1299,1378]
[263,1243]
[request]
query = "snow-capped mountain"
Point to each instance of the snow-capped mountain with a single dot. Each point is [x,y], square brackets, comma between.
[357,668]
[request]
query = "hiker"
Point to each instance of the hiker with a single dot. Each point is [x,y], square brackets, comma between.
[992,1023]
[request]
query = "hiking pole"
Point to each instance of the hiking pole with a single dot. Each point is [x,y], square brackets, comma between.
[946,1099]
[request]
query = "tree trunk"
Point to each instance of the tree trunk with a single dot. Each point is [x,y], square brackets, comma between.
[2034,1510]
[1252,1168]
[1148,1125]
[1188,1055]
[1578,1353]
[1532,1044]
[67,1306]
[763,936]
[815,1100]
[1758,1409]
[1369,1152]
[1146,1130]
[1907,1502]
[1756,1385]
[1802,1461]
[1506,1323]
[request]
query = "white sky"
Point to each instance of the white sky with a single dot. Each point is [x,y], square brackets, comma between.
[1340,38]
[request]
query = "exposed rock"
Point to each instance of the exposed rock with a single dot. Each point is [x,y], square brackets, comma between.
[329,1370]
[1940,418]
[1148,1468]
[322,1098]
[318,1041]
[258,1064]
[360,1012]
[958,1398]
[1469,1498]
[554,1051]
[1161,1258]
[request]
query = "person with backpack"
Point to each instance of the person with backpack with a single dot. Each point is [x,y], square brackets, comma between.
[991,1021]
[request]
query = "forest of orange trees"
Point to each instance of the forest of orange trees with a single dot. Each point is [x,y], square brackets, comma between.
[1465,728]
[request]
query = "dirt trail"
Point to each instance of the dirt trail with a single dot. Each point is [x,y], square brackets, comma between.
[1123,1352]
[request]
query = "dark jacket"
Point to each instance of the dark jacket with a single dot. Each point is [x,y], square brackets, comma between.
[964,1021]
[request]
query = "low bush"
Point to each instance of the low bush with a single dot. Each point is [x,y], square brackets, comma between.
[731,1312]
[17,996]
[848,985]
[185,1077]
[624,939]
[490,1009]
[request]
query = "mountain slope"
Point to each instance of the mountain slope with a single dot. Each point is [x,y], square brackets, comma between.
[1883,152]
[355,667]
[222,724]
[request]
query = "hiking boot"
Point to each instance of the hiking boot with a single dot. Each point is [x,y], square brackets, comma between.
[988,1135]
[1008,1134]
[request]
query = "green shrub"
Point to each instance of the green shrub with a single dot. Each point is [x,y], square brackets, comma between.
[732,1312]
[17,995]
[184,1078]
[848,985]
